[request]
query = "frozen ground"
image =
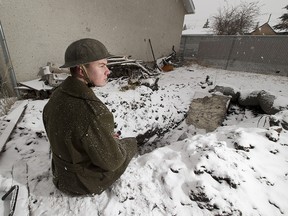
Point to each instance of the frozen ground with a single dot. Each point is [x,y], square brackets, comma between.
[239,169]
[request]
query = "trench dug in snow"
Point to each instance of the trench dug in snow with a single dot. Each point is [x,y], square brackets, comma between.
[208,113]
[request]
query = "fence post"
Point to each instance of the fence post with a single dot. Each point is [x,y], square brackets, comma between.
[230,52]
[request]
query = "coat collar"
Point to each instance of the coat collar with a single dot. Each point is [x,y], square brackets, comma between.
[77,88]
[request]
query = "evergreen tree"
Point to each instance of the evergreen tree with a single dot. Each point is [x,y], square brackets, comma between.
[184,27]
[206,25]
[283,25]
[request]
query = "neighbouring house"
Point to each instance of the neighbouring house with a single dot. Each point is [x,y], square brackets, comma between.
[264,29]
[38,32]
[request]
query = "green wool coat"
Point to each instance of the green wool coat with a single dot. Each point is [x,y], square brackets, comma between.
[86,158]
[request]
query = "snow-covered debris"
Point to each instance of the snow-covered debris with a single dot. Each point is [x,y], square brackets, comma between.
[266,100]
[280,118]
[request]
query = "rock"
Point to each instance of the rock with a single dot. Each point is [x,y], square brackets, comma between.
[279,119]
[208,113]
[273,133]
[250,100]
[256,98]
[266,101]
[228,91]
[183,136]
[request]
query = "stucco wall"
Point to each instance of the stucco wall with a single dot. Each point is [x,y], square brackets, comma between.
[38,31]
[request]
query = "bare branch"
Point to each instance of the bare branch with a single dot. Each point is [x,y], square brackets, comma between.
[233,20]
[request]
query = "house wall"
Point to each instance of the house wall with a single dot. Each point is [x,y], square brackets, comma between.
[259,54]
[39,31]
[264,30]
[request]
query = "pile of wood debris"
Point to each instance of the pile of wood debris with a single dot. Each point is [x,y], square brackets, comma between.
[136,71]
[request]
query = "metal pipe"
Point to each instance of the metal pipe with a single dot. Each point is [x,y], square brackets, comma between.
[8,60]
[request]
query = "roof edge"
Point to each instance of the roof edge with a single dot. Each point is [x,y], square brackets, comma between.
[189,6]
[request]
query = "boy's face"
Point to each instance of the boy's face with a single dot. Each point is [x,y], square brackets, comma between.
[98,72]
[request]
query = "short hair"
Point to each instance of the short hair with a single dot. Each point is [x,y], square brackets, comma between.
[73,70]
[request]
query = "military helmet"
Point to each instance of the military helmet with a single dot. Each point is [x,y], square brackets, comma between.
[84,51]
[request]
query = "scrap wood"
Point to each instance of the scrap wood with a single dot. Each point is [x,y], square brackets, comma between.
[14,190]
[16,198]
[52,75]
[55,68]
[122,62]
[125,62]
[143,68]
[54,80]
[36,84]
[13,118]
[165,63]
[118,58]
[21,88]
[52,68]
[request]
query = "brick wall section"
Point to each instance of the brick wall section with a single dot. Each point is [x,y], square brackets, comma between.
[259,54]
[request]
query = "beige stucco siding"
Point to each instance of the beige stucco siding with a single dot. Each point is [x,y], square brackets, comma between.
[38,31]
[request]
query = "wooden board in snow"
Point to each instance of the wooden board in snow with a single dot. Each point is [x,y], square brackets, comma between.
[36,84]
[13,118]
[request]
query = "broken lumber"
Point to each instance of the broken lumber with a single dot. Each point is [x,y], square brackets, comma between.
[12,119]
[36,84]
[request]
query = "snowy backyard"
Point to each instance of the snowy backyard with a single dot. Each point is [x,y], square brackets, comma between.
[239,169]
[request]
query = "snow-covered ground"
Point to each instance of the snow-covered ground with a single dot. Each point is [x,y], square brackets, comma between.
[235,170]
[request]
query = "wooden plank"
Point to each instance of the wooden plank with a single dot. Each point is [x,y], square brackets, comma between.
[13,118]
[36,84]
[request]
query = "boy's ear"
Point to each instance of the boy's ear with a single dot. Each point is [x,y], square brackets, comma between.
[80,71]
